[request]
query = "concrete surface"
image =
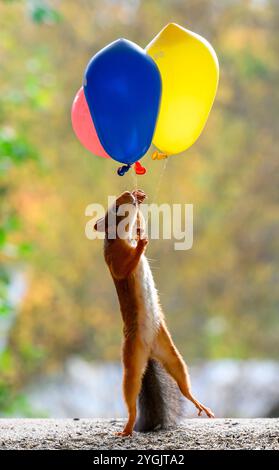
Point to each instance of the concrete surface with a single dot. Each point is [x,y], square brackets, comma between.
[99,434]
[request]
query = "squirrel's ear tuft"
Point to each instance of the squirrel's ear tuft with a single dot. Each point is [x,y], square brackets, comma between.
[100,225]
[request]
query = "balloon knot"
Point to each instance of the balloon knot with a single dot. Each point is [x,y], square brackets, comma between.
[139,169]
[158,155]
[123,169]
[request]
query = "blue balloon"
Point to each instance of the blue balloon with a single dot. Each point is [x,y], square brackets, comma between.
[122,86]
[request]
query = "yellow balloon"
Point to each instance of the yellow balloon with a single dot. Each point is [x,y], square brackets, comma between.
[190,72]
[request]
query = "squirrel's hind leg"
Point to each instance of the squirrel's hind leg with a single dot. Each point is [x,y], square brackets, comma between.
[135,359]
[165,351]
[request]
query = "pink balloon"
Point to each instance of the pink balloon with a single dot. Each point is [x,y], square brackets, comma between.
[84,127]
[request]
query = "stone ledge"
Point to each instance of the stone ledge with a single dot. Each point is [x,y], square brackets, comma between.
[99,434]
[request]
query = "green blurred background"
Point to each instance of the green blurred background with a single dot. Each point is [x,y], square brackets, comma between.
[57,300]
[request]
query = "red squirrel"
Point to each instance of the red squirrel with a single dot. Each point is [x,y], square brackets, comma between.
[154,371]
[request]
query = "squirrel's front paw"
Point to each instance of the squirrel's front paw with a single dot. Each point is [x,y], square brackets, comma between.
[139,195]
[143,242]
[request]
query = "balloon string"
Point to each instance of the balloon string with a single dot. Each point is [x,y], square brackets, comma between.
[159,183]
[134,178]
[126,184]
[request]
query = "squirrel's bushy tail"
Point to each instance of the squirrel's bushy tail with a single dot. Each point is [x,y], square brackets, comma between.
[161,404]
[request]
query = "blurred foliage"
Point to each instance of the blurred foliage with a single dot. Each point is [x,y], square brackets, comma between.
[221,298]
[41,12]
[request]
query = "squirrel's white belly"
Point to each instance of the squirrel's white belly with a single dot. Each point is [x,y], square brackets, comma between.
[149,312]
